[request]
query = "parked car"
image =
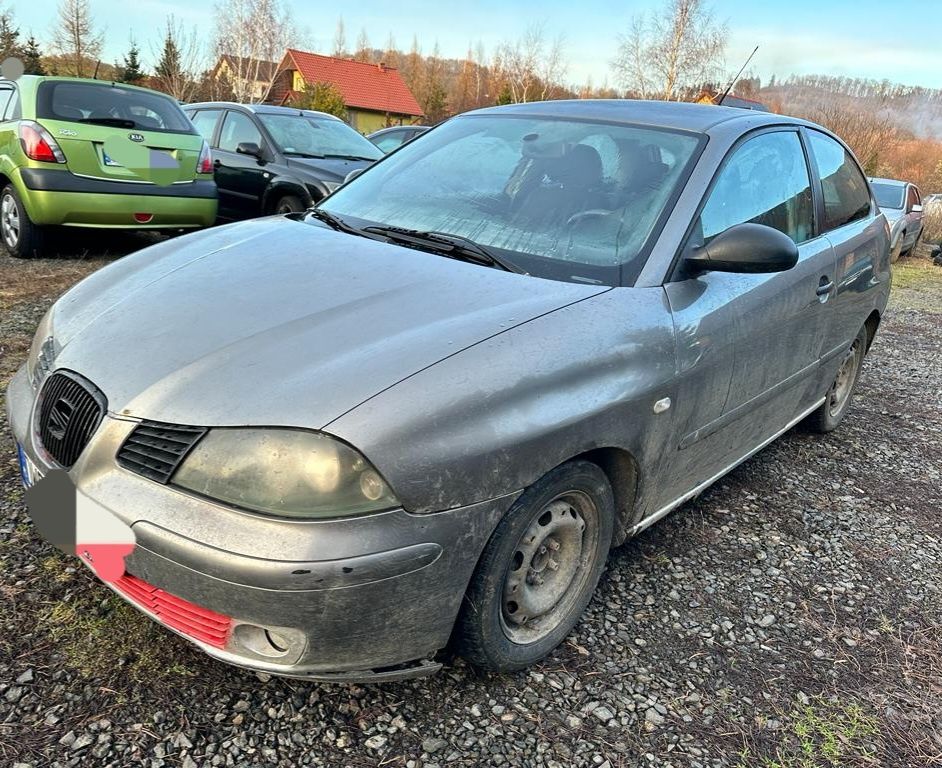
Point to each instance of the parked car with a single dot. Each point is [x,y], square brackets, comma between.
[55,170]
[428,407]
[277,159]
[901,203]
[389,139]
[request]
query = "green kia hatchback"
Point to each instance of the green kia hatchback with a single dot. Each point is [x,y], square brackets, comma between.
[91,153]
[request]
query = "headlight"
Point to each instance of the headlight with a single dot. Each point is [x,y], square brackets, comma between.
[42,352]
[284,472]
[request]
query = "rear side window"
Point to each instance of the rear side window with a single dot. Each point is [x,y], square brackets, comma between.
[846,196]
[6,95]
[765,181]
[238,129]
[205,121]
[108,104]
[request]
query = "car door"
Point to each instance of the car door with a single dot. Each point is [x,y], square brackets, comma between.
[914,213]
[748,345]
[241,179]
[853,225]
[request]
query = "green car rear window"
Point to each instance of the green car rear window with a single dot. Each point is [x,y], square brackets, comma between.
[109,104]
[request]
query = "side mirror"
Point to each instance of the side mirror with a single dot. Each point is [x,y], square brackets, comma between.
[249,148]
[746,249]
[916,208]
[353,174]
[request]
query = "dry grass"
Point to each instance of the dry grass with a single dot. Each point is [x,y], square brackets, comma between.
[917,285]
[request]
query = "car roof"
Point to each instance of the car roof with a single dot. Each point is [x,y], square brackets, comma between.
[662,114]
[91,80]
[260,109]
[888,182]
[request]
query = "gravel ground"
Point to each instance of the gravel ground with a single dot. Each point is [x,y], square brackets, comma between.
[790,616]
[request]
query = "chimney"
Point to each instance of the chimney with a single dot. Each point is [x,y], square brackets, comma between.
[381,66]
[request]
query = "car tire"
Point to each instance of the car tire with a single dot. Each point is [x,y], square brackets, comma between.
[895,250]
[21,238]
[839,394]
[538,570]
[289,204]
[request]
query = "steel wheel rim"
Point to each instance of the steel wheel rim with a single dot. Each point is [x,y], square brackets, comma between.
[10,221]
[844,381]
[549,567]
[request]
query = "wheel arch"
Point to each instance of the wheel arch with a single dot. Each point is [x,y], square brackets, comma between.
[623,473]
[872,323]
[280,188]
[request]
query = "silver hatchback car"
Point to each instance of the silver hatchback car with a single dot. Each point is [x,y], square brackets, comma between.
[422,413]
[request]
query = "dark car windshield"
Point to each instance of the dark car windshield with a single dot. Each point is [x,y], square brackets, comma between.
[109,104]
[317,136]
[569,200]
[888,195]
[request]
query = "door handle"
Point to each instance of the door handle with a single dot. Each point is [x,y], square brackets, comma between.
[824,288]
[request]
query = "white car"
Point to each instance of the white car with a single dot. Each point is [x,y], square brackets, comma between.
[901,203]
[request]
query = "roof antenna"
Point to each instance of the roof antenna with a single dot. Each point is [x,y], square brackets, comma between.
[736,79]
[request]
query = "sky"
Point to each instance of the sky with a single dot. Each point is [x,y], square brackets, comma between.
[880,39]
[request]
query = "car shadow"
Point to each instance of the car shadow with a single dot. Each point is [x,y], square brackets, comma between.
[81,244]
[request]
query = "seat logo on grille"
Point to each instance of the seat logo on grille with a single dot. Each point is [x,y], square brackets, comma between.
[59,418]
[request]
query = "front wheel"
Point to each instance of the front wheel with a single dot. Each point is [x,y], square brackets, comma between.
[289,204]
[538,570]
[20,236]
[837,401]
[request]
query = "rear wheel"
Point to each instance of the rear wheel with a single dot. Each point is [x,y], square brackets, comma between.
[538,570]
[289,204]
[20,236]
[842,389]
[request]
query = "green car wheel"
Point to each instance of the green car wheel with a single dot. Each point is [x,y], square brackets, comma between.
[20,236]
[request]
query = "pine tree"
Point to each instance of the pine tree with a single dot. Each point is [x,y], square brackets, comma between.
[32,58]
[168,69]
[9,36]
[132,72]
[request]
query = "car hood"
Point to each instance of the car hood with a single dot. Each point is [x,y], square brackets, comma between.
[280,322]
[327,169]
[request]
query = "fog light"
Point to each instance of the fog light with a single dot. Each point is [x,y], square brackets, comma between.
[143,218]
[279,643]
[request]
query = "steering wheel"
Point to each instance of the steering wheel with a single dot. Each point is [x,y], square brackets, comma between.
[592,213]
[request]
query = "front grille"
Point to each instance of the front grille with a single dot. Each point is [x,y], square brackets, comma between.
[155,450]
[70,410]
[192,620]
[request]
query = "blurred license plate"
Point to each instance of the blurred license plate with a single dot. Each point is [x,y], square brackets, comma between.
[29,473]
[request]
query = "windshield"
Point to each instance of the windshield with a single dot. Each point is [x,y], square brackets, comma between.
[109,104]
[568,200]
[317,136]
[888,195]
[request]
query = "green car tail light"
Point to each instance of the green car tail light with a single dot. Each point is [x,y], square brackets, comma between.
[38,144]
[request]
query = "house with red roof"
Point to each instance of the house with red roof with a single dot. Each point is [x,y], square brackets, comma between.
[376,96]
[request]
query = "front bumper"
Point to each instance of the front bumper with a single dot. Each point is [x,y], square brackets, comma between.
[367,598]
[58,197]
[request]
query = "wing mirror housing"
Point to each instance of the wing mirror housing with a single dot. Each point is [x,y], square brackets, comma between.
[353,174]
[917,208]
[249,148]
[746,249]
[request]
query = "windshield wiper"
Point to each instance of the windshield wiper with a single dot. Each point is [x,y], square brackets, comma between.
[454,246]
[294,153]
[116,122]
[334,222]
[349,157]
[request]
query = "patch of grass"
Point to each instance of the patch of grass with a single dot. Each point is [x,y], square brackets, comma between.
[917,285]
[110,640]
[820,734]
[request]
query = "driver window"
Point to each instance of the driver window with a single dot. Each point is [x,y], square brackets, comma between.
[765,182]
[238,129]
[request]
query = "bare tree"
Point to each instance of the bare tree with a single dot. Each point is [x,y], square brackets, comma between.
[75,39]
[530,68]
[340,39]
[252,34]
[673,49]
[363,52]
[179,61]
